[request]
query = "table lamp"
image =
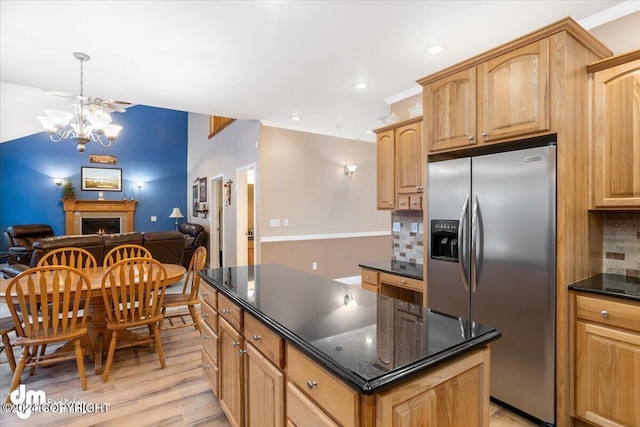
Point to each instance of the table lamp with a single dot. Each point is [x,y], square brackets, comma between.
[175,213]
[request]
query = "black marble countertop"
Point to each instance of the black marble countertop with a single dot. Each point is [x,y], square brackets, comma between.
[370,341]
[400,268]
[612,285]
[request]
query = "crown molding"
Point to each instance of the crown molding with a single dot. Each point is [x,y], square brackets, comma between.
[616,12]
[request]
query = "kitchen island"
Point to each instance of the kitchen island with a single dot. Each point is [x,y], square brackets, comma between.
[350,357]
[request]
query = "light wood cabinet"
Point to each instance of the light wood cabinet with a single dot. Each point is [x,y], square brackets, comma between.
[504,98]
[369,280]
[302,412]
[457,395]
[231,369]
[607,360]
[615,116]
[400,166]
[264,395]
[450,111]
[385,153]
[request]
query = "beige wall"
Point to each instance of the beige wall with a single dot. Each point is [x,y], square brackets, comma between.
[302,180]
[336,258]
[621,35]
[401,108]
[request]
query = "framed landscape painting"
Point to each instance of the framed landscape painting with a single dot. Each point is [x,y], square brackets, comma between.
[101,179]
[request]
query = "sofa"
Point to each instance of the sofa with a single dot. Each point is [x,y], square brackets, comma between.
[195,236]
[165,246]
[19,240]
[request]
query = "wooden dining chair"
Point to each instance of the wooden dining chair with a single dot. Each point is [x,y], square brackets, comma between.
[7,326]
[127,251]
[133,292]
[71,257]
[58,291]
[189,295]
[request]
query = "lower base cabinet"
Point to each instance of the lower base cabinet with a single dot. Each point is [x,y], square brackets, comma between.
[231,373]
[264,395]
[607,361]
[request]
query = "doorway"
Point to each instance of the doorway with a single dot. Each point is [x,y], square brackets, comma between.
[245,221]
[216,224]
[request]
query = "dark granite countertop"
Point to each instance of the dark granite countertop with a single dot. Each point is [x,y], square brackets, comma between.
[400,268]
[612,285]
[371,343]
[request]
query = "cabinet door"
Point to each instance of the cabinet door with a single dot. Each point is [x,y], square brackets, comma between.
[513,93]
[450,111]
[302,412]
[607,375]
[409,159]
[461,400]
[385,148]
[617,136]
[231,373]
[264,397]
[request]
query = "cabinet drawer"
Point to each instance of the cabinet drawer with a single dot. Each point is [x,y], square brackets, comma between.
[265,340]
[402,282]
[301,412]
[210,342]
[210,371]
[323,388]
[231,312]
[369,276]
[415,202]
[209,295]
[609,312]
[403,203]
[209,316]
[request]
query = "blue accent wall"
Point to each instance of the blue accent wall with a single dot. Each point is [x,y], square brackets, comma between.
[151,148]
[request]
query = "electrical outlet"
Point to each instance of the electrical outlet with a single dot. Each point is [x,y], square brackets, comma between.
[286,222]
[414,227]
[154,218]
[274,223]
[396,227]
[420,228]
[314,266]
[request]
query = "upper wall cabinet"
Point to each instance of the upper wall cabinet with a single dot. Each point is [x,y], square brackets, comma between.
[400,165]
[615,137]
[503,98]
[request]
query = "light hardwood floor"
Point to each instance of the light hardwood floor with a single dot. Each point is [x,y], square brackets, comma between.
[140,393]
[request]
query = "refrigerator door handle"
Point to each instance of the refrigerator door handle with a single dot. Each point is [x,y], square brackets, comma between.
[474,237]
[463,214]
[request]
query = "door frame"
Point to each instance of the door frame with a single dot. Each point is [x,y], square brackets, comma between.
[216,222]
[242,244]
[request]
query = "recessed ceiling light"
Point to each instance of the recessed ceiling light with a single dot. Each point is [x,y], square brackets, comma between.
[435,49]
[361,85]
[295,118]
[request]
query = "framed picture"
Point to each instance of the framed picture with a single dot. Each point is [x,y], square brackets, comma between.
[98,158]
[203,189]
[100,179]
[194,201]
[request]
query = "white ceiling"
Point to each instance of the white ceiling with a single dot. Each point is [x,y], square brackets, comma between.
[265,60]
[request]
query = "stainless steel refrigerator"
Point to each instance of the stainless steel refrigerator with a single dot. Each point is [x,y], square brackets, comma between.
[492,252]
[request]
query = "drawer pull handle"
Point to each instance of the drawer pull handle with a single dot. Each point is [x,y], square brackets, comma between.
[367,277]
[242,352]
[225,311]
[204,294]
[205,315]
[404,282]
[205,337]
[235,343]
[257,337]
[312,384]
[604,313]
[206,367]
[470,137]
[484,134]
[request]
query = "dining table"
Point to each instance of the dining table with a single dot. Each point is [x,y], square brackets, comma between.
[97,326]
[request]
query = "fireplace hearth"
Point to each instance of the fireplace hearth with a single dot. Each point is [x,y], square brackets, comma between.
[100,225]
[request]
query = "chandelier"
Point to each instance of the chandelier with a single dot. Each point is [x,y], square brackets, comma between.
[89,120]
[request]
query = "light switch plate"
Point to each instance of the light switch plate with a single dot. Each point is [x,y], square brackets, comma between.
[154,218]
[414,227]
[420,228]
[396,227]
[274,223]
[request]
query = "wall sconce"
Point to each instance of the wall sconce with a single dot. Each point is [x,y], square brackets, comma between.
[139,185]
[349,170]
[175,213]
[58,181]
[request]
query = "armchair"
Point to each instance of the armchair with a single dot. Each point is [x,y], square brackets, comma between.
[195,236]
[19,240]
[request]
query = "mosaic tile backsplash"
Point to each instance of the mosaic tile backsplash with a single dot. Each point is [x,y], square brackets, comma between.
[621,243]
[407,245]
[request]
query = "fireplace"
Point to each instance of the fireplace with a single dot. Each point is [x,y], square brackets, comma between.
[100,225]
[76,210]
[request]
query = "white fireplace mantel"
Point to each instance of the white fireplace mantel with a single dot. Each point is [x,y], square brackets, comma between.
[75,210]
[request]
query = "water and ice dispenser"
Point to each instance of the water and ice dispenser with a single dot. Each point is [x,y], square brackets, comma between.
[444,239]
